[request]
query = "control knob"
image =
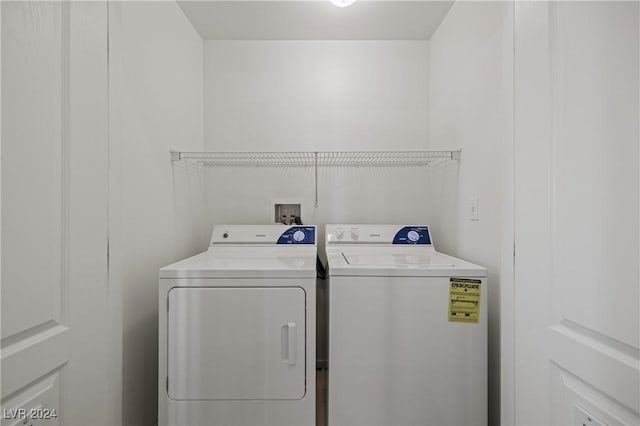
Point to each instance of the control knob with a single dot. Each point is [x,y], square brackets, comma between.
[413,236]
[298,236]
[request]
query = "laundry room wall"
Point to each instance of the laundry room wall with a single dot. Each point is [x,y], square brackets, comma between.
[470,103]
[317,96]
[156,210]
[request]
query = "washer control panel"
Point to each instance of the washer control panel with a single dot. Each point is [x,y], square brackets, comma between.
[263,235]
[298,235]
[412,235]
[378,234]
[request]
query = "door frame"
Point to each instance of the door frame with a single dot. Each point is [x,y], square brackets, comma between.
[507,244]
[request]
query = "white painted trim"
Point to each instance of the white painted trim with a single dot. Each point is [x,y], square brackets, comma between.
[619,380]
[28,353]
[65,141]
[595,402]
[65,166]
[507,291]
[0,166]
[113,205]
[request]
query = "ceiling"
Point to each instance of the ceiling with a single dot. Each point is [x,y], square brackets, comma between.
[315,19]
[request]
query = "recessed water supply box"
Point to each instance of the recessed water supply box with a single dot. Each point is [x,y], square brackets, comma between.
[286,211]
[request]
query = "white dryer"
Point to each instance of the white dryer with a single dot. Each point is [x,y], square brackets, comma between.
[407,330]
[237,330]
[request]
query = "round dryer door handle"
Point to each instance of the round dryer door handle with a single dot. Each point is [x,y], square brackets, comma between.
[289,343]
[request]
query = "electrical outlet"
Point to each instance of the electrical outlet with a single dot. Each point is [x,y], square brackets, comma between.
[474,209]
[583,418]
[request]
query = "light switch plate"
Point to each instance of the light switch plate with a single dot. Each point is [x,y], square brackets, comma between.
[474,209]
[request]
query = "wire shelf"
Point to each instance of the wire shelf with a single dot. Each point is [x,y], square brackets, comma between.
[318,159]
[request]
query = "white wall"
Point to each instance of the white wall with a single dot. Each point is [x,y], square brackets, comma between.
[470,95]
[156,209]
[316,96]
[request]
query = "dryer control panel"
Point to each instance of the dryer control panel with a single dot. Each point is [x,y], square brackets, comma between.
[379,234]
[263,235]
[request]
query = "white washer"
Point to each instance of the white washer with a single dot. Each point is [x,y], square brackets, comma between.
[237,330]
[398,355]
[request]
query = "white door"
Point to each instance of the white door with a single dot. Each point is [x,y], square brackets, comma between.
[237,343]
[576,292]
[55,352]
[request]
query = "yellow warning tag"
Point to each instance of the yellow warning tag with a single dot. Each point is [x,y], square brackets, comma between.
[464,300]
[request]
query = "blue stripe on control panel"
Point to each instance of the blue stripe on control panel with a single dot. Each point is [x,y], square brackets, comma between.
[412,235]
[298,235]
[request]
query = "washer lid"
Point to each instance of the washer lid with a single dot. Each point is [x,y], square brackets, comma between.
[247,262]
[389,261]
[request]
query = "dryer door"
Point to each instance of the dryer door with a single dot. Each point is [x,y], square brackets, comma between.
[236,343]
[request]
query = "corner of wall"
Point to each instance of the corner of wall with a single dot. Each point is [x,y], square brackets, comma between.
[470,105]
